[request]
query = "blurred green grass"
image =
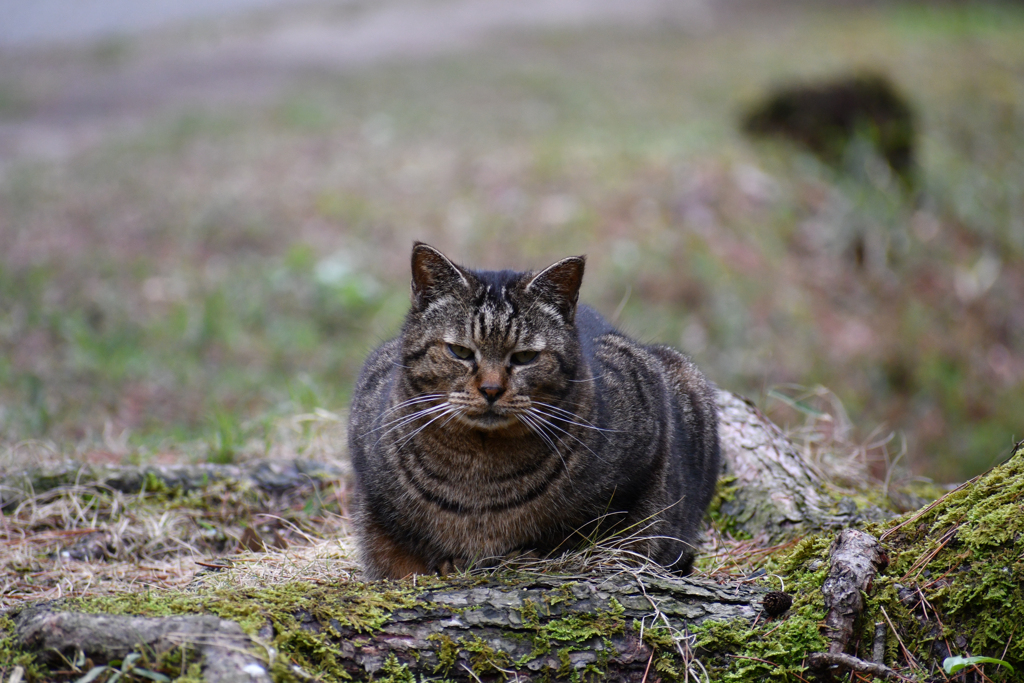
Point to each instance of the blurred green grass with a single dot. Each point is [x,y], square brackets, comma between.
[225,267]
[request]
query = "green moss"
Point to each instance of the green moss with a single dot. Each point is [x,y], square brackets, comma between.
[395,672]
[447,652]
[528,613]
[962,560]
[194,674]
[578,628]
[343,609]
[483,658]
[965,554]
[772,650]
[726,522]
[348,606]
[11,656]
[575,632]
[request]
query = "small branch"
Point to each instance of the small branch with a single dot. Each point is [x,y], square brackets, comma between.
[906,653]
[821,660]
[221,644]
[856,558]
[878,646]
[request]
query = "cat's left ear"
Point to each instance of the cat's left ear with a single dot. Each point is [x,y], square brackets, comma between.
[560,283]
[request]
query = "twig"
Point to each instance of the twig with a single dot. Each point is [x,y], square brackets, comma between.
[878,646]
[687,658]
[906,653]
[648,668]
[923,561]
[819,660]
[927,508]
[765,635]
[1005,649]
[475,677]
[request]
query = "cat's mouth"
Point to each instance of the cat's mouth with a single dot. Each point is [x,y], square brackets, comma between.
[487,420]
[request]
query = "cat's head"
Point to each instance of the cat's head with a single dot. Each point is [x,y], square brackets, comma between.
[491,343]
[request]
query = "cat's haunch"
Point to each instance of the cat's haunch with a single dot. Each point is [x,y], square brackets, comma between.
[507,418]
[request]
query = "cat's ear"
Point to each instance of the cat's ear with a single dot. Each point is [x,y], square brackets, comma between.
[433,274]
[560,283]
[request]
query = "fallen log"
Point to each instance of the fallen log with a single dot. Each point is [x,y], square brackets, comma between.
[771,490]
[469,628]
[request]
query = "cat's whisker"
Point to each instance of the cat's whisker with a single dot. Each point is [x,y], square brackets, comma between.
[547,420]
[405,404]
[563,401]
[409,437]
[455,413]
[525,419]
[405,419]
[572,417]
[457,410]
[589,379]
[409,402]
[408,419]
[560,418]
[539,424]
[559,409]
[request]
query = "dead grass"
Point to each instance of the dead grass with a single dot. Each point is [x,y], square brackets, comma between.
[219,267]
[89,539]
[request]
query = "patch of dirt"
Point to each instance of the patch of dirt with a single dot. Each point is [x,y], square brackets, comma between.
[69,98]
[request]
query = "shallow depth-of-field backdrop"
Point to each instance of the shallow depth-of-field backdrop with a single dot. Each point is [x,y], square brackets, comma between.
[205,228]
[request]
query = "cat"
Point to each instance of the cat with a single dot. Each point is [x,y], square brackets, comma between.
[508,418]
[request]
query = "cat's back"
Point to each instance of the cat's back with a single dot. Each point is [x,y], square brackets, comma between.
[661,431]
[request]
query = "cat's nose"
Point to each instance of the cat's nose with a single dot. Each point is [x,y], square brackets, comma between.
[492,392]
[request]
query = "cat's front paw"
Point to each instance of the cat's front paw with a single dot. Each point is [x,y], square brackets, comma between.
[453,565]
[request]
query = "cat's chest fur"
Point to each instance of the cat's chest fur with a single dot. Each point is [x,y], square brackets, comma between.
[506,418]
[466,493]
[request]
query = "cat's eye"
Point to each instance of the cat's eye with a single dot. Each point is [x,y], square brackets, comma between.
[523,357]
[461,352]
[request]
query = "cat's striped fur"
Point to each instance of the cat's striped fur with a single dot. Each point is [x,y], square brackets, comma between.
[505,418]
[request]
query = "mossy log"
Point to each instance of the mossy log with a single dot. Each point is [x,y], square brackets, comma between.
[954,585]
[467,628]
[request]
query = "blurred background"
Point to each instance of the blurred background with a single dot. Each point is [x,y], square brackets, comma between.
[206,208]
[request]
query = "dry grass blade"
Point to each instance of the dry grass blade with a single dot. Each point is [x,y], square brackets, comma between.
[89,539]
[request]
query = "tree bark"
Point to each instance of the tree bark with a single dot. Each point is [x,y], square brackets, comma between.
[772,491]
[464,629]
[220,645]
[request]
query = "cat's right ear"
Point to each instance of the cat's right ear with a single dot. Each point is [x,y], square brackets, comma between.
[433,275]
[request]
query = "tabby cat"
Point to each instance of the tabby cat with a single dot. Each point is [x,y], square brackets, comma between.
[507,418]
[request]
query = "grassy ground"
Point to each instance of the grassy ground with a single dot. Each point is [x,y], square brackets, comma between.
[179,290]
